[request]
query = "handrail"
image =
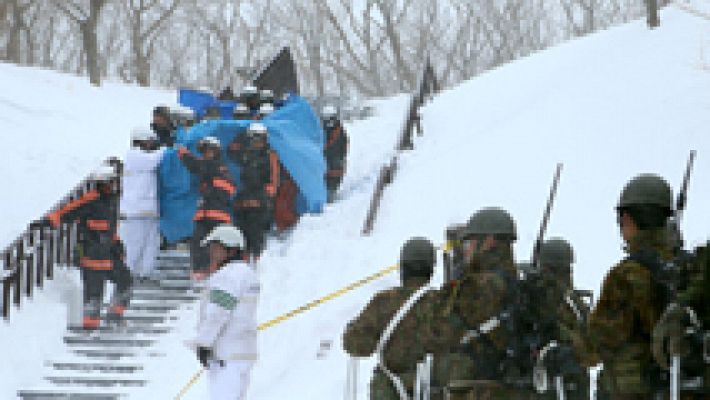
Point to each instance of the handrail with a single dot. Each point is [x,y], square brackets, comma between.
[427,85]
[30,259]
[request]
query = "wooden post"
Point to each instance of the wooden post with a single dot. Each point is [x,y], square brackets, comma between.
[41,259]
[29,262]
[19,252]
[51,253]
[6,285]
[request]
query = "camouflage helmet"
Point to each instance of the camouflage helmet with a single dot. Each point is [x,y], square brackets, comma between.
[646,190]
[491,221]
[417,258]
[556,252]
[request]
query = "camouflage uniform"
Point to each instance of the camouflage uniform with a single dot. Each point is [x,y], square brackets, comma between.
[416,335]
[620,326]
[483,293]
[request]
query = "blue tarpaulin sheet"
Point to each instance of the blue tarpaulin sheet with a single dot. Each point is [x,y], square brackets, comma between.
[200,101]
[295,133]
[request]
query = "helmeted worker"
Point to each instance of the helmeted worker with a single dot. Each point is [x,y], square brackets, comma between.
[101,250]
[335,150]
[420,331]
[241,112]
[139,208]
[480,302]
[267,97]
[216,189]
[265,110]
[163,125]
[633,296]
[251,97]
[260,169]
[227,327]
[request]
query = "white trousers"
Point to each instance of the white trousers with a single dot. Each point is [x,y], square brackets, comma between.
[141,236]
[231,381]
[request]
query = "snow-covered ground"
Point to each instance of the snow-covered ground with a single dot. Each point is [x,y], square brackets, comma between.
[55,128]
[610,106]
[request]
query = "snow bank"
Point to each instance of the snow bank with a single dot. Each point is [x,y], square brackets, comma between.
[55,128]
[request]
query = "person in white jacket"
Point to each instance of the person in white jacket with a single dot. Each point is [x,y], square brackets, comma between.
[140,224]
[226,332]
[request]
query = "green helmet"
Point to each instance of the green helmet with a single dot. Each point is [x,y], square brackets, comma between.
[491,221]
[647,190]
[417,258]
[556,253]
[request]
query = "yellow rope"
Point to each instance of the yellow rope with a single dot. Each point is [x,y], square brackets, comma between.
[300,310]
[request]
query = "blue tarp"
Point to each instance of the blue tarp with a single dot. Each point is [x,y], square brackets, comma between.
[200,101]
[295,133]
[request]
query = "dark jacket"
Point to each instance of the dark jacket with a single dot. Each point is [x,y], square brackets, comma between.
[336,148]
[96,213]
[216,187]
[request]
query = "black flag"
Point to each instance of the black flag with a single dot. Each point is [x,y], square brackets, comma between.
[279,75]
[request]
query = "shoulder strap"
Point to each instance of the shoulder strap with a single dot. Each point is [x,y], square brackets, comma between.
[387,334]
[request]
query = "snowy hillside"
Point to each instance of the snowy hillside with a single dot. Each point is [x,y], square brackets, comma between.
[55,129]
[610,106]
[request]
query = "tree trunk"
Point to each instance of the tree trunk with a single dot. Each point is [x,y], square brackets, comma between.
[653,18]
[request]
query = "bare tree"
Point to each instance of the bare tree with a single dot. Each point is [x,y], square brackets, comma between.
[87,18]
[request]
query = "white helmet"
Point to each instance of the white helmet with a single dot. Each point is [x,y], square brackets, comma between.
[103,173]
[250,90]
[329,112]
[266,109]
[257,128]
[142,134]
[227,235]
[210,141]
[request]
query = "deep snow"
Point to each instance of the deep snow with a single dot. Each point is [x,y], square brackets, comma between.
[610,106]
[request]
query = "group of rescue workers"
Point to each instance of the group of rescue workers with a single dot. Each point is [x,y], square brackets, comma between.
[501,330]
[118,218]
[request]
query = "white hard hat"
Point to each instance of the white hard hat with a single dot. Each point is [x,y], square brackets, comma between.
[250,90]
[103,173]
[185,112]
[266,109]
[257,128]
[210,141]
[227,235]
[329,111]
[143,134]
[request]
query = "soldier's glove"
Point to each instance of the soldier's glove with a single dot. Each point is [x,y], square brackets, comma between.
[668,333]
[204,355]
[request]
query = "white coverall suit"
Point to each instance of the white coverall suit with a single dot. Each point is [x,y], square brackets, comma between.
[140,223]
[228,325]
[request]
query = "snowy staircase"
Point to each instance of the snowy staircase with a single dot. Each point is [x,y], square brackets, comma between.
[108,364]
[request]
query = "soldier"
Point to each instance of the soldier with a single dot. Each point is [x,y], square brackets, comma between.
[216,190]
[481,302]
[265,110]
[418,333]
[259,181]
[335,150]
[101,250]
[633,296]
[241,112]
[559,311]
[267,97]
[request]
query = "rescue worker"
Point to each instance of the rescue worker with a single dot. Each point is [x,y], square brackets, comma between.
[267,97]
[560,312]
[419,332]
[481,302]
[216,189]
[163,126]
[259,181]
[265,110]
[227,94]
[226,331]
[251,97]
[140,214]
[335,150]
[241,112]
[212,113]
[633,297]
[101,250]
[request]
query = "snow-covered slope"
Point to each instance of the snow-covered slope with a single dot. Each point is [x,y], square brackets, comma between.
[55,128]
[610,106]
